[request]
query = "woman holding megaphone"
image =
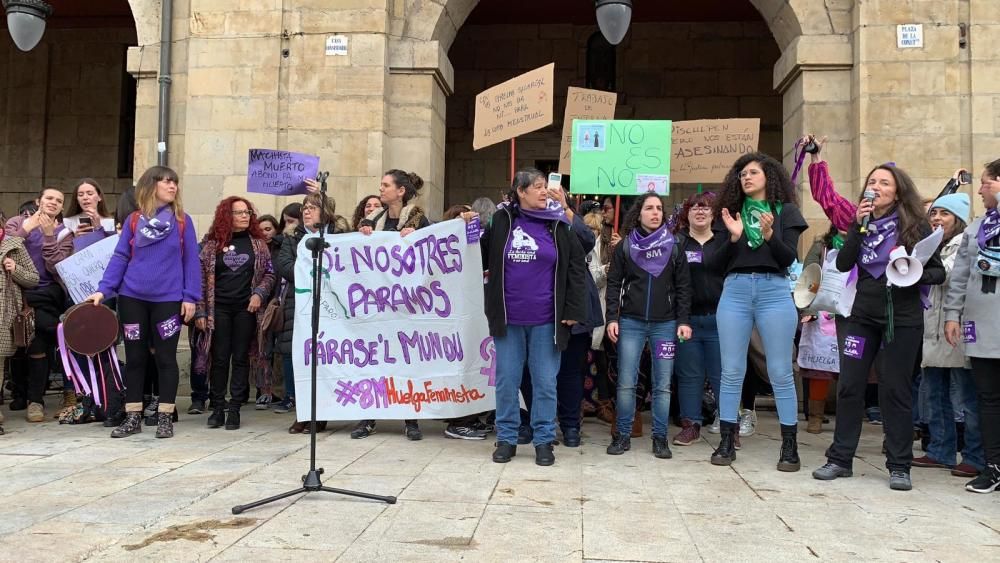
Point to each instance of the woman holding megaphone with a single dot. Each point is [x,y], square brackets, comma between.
[884,318]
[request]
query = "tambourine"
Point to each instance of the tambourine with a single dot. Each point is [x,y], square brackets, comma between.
[90,330]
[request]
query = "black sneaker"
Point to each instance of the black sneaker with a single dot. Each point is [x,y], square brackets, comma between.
[544,455]
[217,419]
[197,407]
[900,480]
[571,437]
[149,413]
[660,448]
[233,419]
[620,443]
[469,432]
[484,426]
[987,481]
[525,435]
[412,431]
[364,429]
[504,452]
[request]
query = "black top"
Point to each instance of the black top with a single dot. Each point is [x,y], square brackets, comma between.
[634,292]
[234,271]
[391,224]
[774,256]
[706,282]
[870,301]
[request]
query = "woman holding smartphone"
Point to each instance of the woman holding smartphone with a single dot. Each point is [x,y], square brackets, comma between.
[88,219]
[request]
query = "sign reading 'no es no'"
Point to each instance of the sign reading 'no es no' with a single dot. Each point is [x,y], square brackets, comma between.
[521,105]
[620,157]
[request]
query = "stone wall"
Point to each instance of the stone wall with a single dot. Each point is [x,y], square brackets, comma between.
[664,71]
[60,106]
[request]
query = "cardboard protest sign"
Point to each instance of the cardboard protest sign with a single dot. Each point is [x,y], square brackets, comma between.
[705,149]
[521,105]
[402,332]
[609,156]
[280,172]
[582,103]
[82,272]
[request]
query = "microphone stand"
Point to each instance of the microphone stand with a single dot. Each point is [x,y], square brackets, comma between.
[311,481]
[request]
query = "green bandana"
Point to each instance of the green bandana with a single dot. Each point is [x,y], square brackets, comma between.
[752,209]
[837,241]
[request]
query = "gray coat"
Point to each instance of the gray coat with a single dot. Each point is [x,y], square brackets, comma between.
[965,301]
[937,352]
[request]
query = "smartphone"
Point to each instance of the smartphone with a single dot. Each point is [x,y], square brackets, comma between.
[86,221]
[964,178]
[555,181]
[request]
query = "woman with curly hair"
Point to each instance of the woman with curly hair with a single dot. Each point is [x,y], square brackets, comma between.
[761,223]
[236,280]
[368,205]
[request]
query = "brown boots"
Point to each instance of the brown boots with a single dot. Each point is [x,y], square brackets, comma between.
[815,424]
[636,425]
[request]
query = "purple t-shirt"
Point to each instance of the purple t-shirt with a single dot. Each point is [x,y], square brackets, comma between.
[529,273]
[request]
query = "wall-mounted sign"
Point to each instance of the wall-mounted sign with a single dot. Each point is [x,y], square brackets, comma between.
[910,36]
[336,45]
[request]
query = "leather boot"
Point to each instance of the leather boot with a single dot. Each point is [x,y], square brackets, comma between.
[789,460]
[815,425]
[637,424]
[131,425]
[726,452]
[218,417]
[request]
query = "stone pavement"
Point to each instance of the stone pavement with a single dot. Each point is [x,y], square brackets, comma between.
[71,493]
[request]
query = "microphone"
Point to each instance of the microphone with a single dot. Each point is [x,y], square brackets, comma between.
[869,196]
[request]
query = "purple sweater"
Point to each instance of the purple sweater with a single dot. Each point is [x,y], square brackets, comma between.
[157,273]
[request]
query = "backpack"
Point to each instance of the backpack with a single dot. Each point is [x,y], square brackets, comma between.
[133,222]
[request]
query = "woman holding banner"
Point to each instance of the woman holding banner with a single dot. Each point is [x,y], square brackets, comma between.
[236,279]
[884,320]
[757,215]
[535,292]
[156,274]
[648,299]
[48,242]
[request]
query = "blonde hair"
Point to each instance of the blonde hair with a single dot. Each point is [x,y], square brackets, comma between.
[594,220]
[145,191]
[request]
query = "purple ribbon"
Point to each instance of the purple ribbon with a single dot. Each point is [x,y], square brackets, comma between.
[651,252]
[553,212]
[798,160]
[989,228]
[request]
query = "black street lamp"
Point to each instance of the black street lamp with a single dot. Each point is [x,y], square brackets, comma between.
[26,21]
[613,17]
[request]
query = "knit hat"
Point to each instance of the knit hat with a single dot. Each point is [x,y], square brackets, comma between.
[956,204]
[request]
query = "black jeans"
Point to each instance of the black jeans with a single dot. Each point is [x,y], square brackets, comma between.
[148,325]
[569,384]
[895,375]
[48,303]
[235,328]
[986,372]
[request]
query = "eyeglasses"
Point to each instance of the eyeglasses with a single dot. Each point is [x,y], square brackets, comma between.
[242,213]
[750,172]
[701,205]
[309,207]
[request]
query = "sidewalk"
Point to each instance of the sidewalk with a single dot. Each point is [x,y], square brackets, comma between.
[70,493]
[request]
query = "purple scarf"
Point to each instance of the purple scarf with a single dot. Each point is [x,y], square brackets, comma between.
[552,212]
[651,252]
[877,243]
[989,228]
[149,231]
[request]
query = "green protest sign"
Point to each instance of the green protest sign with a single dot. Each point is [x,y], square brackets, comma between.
[620,157]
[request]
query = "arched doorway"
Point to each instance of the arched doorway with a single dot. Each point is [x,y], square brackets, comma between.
[68,107]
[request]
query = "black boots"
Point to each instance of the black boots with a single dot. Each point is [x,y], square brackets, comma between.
[164,425]
[233,419]
[726,452]
[789,460]
[504,452]
[620,443]
[660,447]
[131,425]
[218,417]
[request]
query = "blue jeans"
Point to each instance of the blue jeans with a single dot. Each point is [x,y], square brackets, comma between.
[941,417]
[696,359]
[632,337]
[760,300]
[288,374]
[536,346]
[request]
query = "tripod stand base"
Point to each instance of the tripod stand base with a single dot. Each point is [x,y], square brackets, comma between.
[311,483]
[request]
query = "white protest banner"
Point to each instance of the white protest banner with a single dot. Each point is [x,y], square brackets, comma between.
[82,271]
[402,330]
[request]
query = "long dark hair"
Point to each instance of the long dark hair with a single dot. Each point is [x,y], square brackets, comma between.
[631,220]
[293,210]
[359,211]
[779,188]
[910,206]
[74,201]
[221,230]
[409,181]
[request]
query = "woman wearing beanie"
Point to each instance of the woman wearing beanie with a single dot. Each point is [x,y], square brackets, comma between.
[885,320]
[236,279]
[156,274]
[972,316]
[943,364]
[761,225]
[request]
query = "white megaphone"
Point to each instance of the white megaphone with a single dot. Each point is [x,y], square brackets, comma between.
[807,286]
[903,270]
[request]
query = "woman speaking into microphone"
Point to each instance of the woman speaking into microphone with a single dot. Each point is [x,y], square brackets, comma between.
[884,319]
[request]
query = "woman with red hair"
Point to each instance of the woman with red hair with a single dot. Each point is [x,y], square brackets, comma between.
[236,280]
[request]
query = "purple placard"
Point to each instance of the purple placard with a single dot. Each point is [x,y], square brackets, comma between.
[169,327]
[969,332]
[854,347]
[694,256]
[666,349]
[280,172]
[473,230]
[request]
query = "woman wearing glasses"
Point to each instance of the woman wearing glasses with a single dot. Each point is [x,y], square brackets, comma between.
[236,279]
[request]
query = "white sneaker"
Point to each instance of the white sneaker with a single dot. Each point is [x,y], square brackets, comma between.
[748,422]
[714,428]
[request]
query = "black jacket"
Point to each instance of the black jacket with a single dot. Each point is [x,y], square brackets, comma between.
[570,284]
[634,292]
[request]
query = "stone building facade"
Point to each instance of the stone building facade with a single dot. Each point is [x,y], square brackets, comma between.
[254,73]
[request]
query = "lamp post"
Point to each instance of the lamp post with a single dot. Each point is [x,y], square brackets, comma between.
[613,18]
[26,21]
